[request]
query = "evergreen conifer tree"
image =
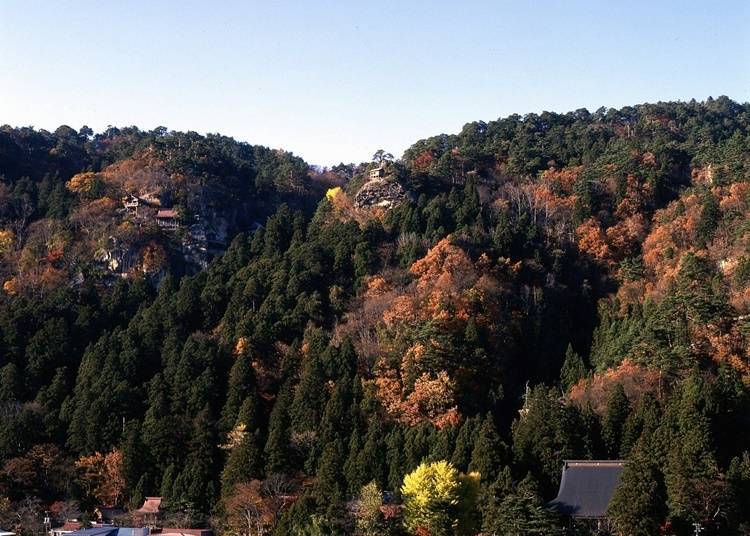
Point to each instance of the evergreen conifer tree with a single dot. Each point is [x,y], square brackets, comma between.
[243,464]
[277,455]
[167,483]
[134,456]
[461,457]
[444,443]
[309,395]
[489,451]
[522,512]
[10,383]
[637,507]
[618,409]
[353,471]
[573,369]
[200,472]
[248,413]
[395,459]
[330,485]
[337,421]
[370,458]
[416,445]
[241,385]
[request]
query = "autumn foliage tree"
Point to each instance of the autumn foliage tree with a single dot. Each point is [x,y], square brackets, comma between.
[439,500]
[101,476]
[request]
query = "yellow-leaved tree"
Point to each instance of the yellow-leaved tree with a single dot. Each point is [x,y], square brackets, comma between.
[86,184]
[333,192]
[7,238]
[440,500]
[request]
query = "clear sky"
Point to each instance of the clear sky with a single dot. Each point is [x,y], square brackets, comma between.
[334,81]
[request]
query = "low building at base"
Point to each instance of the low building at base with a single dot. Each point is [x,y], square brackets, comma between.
[586,488]
[143,531]
[69,526]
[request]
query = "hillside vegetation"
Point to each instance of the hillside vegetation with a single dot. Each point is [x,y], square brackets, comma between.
[532,289]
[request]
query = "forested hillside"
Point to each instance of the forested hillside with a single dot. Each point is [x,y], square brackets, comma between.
[532,289]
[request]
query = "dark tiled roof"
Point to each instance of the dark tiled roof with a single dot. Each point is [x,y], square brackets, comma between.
[587,487]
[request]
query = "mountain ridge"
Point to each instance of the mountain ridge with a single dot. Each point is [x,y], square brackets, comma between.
[546,287]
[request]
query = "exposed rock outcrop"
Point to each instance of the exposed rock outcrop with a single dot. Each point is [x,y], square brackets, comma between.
[380,193]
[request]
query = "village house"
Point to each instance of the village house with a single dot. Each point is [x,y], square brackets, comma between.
[112,530]
[149,514]
[172,531]
[131,204]
[167,219]
[147,518]
[69,526]
[378,172]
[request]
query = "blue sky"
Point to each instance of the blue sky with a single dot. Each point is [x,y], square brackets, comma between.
[334,81]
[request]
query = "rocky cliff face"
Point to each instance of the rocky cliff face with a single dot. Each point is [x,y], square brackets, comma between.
[128,202]
[380,192]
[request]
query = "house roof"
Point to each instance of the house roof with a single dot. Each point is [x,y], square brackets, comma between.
[166,213]
[6,533]
[152,505]
[169,531]
[98,531]
[587,487]
[111,531]
[68,526]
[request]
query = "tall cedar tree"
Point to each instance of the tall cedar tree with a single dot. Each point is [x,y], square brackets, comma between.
[618,409]
[637,507]
[489,452]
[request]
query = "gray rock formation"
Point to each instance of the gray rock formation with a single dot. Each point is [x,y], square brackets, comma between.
[380,193]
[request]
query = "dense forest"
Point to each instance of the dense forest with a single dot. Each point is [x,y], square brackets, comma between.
[403,346]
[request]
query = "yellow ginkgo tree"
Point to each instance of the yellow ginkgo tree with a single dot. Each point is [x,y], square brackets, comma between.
[440,500]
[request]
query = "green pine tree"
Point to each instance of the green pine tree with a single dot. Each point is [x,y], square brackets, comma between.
[416,445]
[354,472]
[241,385]
[135,460]
[573,369]
[330,485]
[464,445]
[337,416]
[444,443]
[395,459]
[637,507]
[521,512]
[245,463]
[618,409]
[277,454]
[370,458]
[10,383]
[489,452]
[198,477]
[309,395]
